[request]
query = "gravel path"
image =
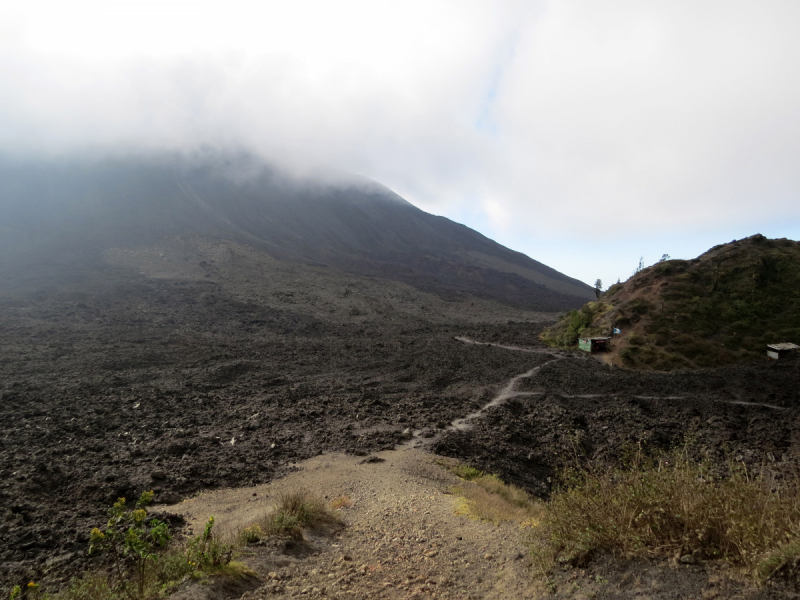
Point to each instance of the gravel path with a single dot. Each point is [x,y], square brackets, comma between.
[403,537]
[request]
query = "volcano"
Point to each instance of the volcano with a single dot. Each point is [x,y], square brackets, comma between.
[56,216]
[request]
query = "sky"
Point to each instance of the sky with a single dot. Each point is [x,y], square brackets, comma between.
[585,134]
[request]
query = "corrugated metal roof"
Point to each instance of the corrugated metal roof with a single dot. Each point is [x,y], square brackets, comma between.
[783,346]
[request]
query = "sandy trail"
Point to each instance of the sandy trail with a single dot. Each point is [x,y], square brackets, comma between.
[403,534]
[508,392]
[406,534]
[467,340]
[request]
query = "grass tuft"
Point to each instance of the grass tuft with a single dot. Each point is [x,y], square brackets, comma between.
[488,498]
[296,511]
[252,534]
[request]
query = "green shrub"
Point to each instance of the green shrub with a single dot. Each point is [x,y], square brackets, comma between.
[252,534]
[639,306]
[132,541]
[205,552]
[573,324]
[143,562]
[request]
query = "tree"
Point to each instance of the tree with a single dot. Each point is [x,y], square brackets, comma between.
[598,287]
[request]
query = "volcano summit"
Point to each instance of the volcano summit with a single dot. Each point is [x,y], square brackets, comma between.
[58,215]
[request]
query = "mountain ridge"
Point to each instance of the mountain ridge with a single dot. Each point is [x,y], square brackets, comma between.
[355,226]
[722,307]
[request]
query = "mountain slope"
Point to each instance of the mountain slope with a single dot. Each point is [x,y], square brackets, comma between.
[719,308]
[68,211]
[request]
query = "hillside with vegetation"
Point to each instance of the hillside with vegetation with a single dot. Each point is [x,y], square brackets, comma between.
[719,308]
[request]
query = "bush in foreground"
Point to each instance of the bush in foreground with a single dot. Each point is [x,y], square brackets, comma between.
[671,507]
[144,562]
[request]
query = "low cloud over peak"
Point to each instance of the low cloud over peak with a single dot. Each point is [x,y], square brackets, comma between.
[526,120]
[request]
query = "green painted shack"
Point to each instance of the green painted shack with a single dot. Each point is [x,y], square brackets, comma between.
[594,344]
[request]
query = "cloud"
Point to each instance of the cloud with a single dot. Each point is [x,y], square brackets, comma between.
[654,115]
[554,120]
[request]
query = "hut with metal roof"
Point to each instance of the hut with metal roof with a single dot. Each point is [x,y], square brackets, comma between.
[595,344]
[782,350]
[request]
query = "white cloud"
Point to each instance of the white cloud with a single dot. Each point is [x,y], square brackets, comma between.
[654,114]
[550,119]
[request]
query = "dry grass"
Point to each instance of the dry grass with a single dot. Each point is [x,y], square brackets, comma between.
[296,511]
[341,502]
[488,498]
[672,506]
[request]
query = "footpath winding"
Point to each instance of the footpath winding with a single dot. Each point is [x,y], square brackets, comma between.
[407,535]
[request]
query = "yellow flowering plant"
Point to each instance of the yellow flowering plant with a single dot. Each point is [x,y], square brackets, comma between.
[205,550]
[132,541]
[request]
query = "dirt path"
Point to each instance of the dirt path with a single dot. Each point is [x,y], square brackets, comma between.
[403,535]
[467,340]
[509,391]
[408,536]
[420,438]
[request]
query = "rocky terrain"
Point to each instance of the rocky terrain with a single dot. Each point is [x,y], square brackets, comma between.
[180,388]
[182,385]
[152,356]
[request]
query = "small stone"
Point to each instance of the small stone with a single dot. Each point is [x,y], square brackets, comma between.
[487,557]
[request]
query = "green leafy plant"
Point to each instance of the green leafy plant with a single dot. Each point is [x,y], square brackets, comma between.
[206,552]
[132,541]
